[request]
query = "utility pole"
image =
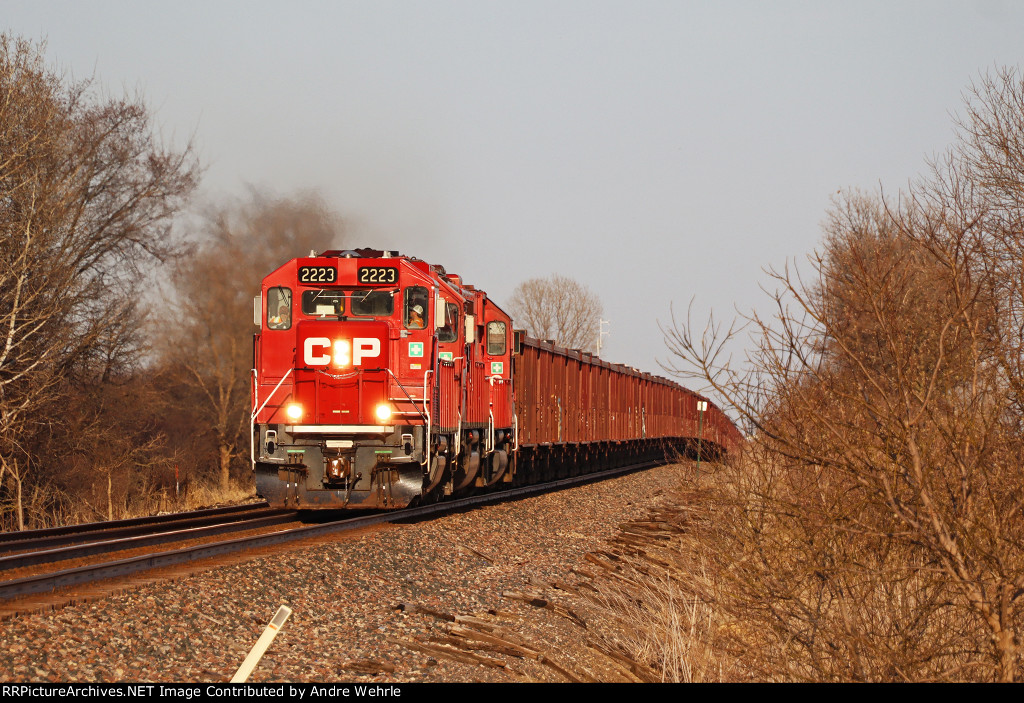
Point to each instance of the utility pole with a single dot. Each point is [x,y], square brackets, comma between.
[601,333]
[702,405]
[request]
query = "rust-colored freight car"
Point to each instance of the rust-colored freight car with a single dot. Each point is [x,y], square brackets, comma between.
[576,410]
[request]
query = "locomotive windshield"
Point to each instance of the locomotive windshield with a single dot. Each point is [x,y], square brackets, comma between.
[378,303]
[323,302]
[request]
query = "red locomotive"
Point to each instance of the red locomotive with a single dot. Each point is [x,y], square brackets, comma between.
[380,380]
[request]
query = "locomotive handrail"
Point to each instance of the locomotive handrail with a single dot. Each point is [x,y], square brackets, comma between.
[421,412]
[490,431]
[490,415]
[252,418]
[257,412]
[426,439]
[515,431]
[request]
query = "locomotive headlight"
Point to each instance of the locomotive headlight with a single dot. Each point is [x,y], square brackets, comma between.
[383,412]
[342,353]
[293,411]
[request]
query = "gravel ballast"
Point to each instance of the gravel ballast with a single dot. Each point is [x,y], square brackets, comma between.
[371,607]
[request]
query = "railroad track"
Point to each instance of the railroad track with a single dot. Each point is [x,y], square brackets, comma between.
[55,537]
[57,548]
[53,580]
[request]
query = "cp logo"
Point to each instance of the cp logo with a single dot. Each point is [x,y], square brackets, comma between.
[321,351]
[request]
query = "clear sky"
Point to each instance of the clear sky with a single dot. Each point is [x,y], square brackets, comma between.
[655,151]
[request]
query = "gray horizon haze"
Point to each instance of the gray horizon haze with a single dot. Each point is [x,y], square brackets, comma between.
[657,152]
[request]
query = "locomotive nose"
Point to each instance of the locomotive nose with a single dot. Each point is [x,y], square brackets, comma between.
[341,373]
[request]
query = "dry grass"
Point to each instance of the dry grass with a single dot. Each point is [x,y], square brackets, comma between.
[66,509]
[660,625]
[205,496]
[735,581]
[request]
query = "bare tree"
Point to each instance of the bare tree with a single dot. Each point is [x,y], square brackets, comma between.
[86,197]
[874,531]
[558,308]
[209,336]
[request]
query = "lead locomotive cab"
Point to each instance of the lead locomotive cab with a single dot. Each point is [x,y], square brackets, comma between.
[358,371]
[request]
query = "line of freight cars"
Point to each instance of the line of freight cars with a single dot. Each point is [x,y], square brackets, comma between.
[575,409]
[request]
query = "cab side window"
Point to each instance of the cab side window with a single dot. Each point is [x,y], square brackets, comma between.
[279,308]
[416,299]
[496,338]
[449,333]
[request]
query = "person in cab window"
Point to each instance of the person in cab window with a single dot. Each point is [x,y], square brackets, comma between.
[282,318]
[416,318]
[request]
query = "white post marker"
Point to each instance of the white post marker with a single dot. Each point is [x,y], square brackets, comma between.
[258,649]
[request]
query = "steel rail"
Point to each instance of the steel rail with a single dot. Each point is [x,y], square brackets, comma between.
[77,551]
[46,583]
[14,538]
[145,528]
